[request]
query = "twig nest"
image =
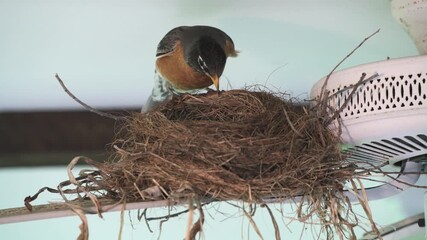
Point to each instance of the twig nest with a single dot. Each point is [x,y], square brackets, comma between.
[235,145]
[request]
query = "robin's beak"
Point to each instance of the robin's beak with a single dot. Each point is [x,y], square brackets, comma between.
[215,80]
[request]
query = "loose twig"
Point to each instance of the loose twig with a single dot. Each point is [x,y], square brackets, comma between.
[276,227]
[84,228]
[345,58]
[353,91]
[171,215]
[87,107]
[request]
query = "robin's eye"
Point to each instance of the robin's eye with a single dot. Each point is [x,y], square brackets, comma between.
[203,65]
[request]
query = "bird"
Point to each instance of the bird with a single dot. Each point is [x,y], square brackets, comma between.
[189,59]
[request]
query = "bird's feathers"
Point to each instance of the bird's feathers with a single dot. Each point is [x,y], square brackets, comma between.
[187,34]
[176,68]
[161,92]
[168,42]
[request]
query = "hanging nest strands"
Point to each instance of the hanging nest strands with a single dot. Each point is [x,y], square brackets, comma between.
[252,146]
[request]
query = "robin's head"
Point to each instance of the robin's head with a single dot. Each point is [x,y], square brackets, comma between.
[206,56]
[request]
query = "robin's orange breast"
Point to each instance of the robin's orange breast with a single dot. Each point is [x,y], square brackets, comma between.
[173,68]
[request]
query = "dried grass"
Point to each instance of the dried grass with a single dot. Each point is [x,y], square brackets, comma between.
[237,145]
[243,145]
[251,146]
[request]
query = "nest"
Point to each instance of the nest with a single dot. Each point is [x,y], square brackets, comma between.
[236,145]
[252,146]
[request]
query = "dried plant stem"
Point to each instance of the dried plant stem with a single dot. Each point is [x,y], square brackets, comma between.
[87,107]
[122,220]
[323,90]
[84,228]
[273,220]
[253,224]
[197,227]
[189,221]
[363,200]
[353,91]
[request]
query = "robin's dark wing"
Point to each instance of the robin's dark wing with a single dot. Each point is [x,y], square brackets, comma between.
[167,44]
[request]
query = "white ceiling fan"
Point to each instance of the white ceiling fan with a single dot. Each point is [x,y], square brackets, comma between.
[385,120]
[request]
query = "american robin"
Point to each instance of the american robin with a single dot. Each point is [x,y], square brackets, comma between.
[189,59]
